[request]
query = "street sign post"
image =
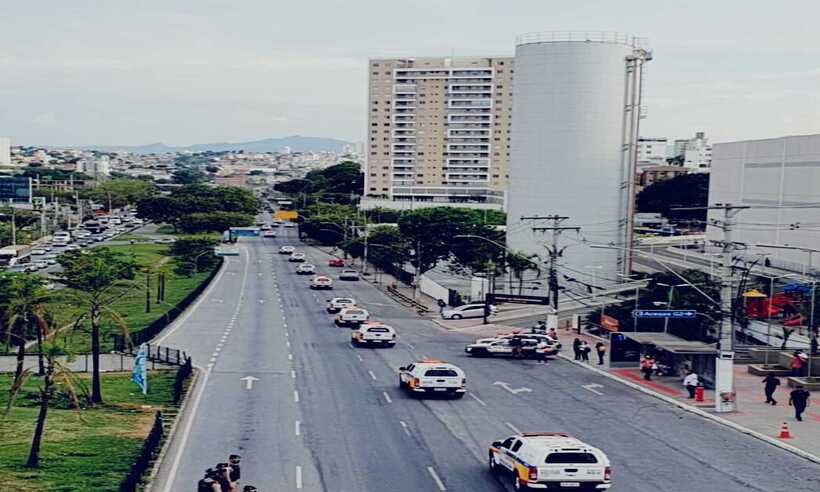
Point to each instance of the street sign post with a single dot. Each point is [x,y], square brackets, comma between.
[664,313]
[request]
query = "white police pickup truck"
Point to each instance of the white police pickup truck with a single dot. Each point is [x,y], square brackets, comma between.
[432,376]
[373,334]
[550,460]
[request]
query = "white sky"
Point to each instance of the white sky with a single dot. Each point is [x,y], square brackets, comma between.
[140,71]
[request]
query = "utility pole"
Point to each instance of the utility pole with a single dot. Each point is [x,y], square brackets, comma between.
[364,258]
[13,224]
[724,365]
[554,253]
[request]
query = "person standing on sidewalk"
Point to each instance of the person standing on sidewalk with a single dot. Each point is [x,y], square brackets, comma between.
[647,366]
[772,382]
[797,363]
[799,399]
[690,382]
[584,349]
[600,348]
[576,348]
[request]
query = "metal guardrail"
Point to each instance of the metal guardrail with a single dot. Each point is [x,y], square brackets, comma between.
[421,308]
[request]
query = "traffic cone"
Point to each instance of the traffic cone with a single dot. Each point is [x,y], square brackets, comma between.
[784,431]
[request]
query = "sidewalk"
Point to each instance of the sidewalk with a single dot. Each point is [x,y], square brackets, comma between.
[753,413]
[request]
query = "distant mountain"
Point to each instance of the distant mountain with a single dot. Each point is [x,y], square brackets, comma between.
[296,143]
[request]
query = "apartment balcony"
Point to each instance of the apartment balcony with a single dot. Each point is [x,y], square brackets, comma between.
[462,133]
[459,148]
[404,88]
[469,103]
[472,162]
[404,118]
[468,140]
[476,94]
[403,133]
[458,118]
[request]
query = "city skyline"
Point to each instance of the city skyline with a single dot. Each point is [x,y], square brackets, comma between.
[94,74]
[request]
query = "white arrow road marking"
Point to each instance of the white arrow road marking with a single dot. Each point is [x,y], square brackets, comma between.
[591,387]
[514,391]
[249,380]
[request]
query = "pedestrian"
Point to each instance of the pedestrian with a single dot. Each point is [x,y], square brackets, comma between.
[690,382]
[799,399]
[553,334]
[541,352]
[223,477]
[441,306]
[515,343]
[576,348]
[647,366]
[797,363]
[585,350]
[236,470]
[600,348]
[208,483]
[772,382]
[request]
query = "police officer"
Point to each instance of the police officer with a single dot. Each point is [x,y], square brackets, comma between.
[209,482]
[799,399]
[236,472]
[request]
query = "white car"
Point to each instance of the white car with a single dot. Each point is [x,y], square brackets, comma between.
[290,224]
[349,275]
[373,334]
[352,316]
[37,252]
[321,282]
[338,303]
[530,345]
[268,234]
[40,264]
[306,269]
[286,250]
[297,257]
[434,377]
[475,310]
[550,460]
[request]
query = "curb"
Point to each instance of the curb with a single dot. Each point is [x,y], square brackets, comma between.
[728,423]
[169,439]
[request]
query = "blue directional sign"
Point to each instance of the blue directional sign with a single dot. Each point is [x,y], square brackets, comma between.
[664,313]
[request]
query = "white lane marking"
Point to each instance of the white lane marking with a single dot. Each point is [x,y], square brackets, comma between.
[298,477]
[411,346]
[288,343]
[293,374]
[479,400]
[212,359]
[359,357]
[261,301]
[404,426]
[210,365]
[185,432]
[290,356]
[372,376]
[436,478]
[295,396]
[514,391]
[387,397]
[249,380]
[193,307]
[287,334]
[591,387]
[514,428]
[297,427]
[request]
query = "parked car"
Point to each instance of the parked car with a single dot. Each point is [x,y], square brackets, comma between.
[475,310]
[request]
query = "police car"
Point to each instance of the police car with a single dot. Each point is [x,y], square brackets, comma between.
[286,250]
[306,269]
[431,376]
[352,316]
[550,460]
[338,303]
[504,345]
[321,282]
[373,333]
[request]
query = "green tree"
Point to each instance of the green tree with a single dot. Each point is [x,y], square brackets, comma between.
[194,253]
[121,191]
[174,209]
[688,190]
[386,247]
[214,221]
[188,176]
[93,276]
[160,209]
[22,299]
[519,263]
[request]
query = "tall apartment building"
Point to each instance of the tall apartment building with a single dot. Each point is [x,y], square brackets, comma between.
[438,132]
[651,151]
[695,153]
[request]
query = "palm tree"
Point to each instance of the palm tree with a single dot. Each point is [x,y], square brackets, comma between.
[55,371]
[520,263]
[97,279]
[24,314]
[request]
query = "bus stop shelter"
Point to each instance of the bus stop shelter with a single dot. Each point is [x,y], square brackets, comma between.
[668,350]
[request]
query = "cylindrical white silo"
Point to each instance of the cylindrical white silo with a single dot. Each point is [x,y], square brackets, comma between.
[576,107]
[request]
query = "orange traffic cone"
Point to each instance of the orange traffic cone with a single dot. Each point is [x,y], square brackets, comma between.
[784,431]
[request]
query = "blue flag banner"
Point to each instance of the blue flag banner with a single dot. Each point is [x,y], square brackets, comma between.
[139,374]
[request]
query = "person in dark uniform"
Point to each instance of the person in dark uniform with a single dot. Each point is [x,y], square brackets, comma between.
[771,383]
[799,399]
[209,482]
[576,348]
[236,472]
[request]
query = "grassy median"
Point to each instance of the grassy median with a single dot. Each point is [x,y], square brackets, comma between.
[87,450]
[131,306]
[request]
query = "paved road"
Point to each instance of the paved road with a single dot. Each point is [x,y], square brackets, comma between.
[337,422]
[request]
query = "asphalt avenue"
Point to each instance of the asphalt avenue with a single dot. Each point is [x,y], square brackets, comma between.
[284,388]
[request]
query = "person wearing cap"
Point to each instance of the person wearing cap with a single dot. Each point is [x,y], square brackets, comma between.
[249,488]
[208,483]
[647,366]
[236,472]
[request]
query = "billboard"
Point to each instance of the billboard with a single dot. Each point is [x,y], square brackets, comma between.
[15,189]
